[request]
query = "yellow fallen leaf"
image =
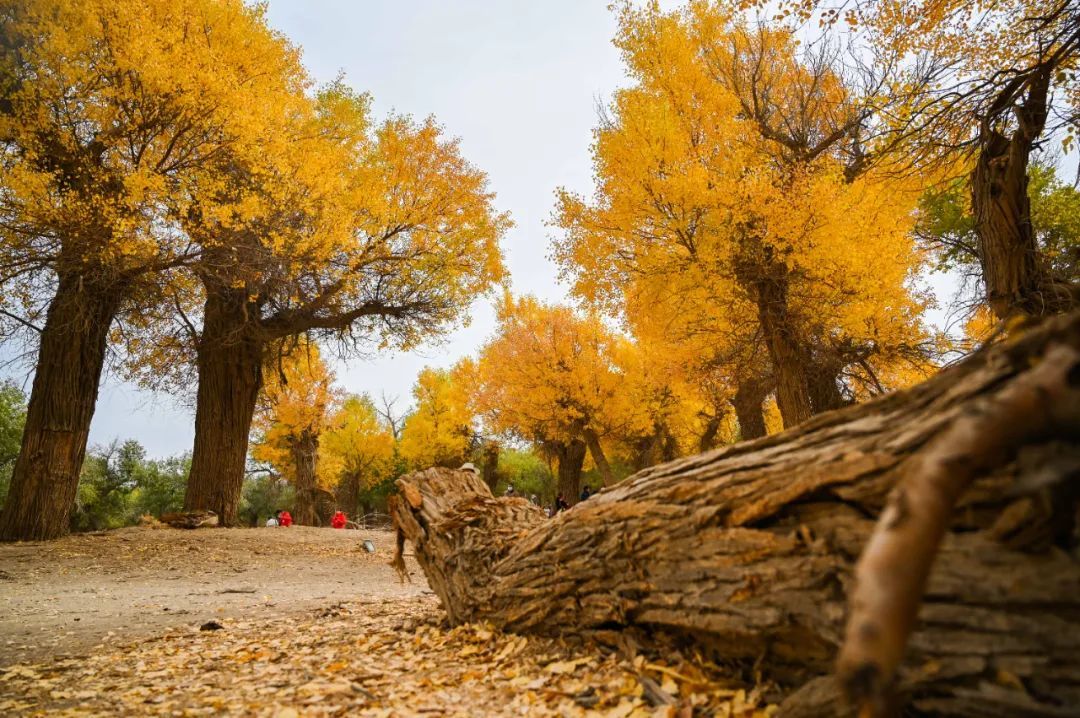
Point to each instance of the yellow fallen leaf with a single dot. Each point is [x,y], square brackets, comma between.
[565,666]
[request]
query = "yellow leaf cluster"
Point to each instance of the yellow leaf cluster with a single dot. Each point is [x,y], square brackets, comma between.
[440,429]
[699,201]
[357,443]
[297,403]
[549,374]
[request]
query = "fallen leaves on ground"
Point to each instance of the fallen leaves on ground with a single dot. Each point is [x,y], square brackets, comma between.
[388,658]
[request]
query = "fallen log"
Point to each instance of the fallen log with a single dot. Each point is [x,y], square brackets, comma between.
[190,519]
[747,552]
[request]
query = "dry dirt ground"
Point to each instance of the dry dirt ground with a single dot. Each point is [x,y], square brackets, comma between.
[294,622]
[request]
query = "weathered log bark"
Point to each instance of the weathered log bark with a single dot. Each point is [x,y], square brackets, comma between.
[71,355]
[190,519]
[747,552]
[305,449]
[1040,405]
[230,359]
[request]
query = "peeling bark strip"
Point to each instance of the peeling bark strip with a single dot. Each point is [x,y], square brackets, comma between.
[747,552]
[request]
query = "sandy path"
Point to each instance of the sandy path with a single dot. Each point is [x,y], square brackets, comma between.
[72,595]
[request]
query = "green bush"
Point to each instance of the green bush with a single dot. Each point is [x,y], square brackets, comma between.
[262,496]
[12,419]
[160,486]
[118,484]
[529,474]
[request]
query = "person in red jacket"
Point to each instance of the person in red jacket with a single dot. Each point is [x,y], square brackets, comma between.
[338,520]
[286,518]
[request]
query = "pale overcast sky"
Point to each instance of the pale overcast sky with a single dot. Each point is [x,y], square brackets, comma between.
[516,80]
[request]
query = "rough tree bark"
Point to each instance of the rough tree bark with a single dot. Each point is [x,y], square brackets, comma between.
[747,403]
[230,359]
[348,493]
[706,441]
[823,382]
[1016,276]
[570,457]
[599,458]
[1042,404]
[305,451]
[747,552]
[660,445]
[785,350]
[70,358]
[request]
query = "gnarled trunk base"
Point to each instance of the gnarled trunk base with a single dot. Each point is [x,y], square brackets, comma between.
[747,552]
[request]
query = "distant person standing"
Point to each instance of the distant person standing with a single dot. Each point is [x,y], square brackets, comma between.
[338,520]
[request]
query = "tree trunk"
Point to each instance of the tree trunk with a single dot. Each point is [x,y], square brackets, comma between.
[305,454]
[707,440]
[230,358]
[71,355]
[747,402]
[597,451]
[348,493]
[660,445]
[1017,276]
[491,464]
[746,554]
[570,457]
[785,349]
[823,381]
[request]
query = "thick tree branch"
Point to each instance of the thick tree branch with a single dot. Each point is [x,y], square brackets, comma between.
[891,575]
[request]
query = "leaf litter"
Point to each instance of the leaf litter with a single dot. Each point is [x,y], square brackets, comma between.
[391,657]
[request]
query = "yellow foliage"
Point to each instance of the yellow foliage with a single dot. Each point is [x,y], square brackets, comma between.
[699,203]
[551,375]
[439,431]
[357,443]
[774,423]
[297,402]
[113,110]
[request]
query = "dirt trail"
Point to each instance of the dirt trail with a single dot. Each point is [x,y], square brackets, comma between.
[68,596]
